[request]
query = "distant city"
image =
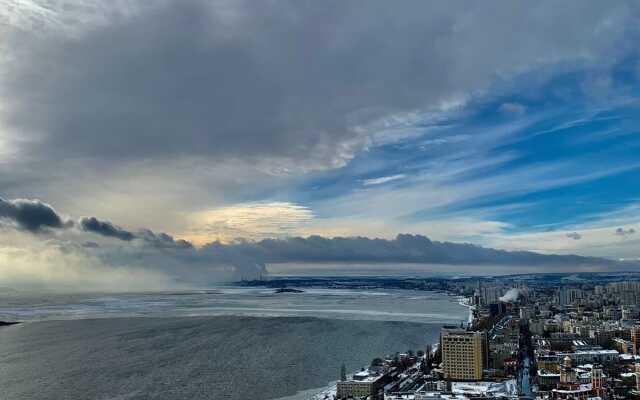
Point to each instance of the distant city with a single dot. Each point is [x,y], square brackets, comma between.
[546,336]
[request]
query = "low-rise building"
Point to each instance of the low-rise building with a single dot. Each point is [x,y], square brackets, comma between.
[362,384]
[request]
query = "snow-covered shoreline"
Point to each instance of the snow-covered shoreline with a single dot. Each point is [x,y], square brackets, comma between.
[328,392]
[464,301]
[325,393]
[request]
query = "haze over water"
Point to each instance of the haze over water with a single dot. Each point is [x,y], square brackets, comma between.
[378,304]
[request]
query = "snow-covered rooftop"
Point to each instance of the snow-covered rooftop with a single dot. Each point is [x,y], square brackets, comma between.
[494,389]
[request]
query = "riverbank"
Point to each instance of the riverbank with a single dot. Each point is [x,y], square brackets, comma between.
[466,302]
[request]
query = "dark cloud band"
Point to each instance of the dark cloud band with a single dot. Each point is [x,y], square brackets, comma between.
[404,248]
[30,215]
[149,238]
[105,228]
[249,259]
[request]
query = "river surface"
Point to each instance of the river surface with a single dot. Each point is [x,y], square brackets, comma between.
[222,343]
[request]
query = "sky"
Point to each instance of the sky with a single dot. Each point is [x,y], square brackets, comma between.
[140,125]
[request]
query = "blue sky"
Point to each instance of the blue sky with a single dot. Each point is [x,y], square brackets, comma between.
[555,157]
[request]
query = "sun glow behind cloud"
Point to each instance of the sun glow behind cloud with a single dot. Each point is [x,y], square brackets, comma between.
[248,221]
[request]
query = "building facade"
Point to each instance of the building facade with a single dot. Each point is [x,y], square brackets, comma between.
[364,384]
[463,354]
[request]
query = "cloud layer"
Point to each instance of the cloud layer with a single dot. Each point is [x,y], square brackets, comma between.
[297,81]
[172,262]
[404,248]
[224,119]
[248,221]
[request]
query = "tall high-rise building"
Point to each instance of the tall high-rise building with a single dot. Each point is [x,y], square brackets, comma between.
[597,379]
[568,374]
[463,353]
[635,339]
[490,294]
[568,296]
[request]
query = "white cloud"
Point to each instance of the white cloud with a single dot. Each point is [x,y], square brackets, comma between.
[599,237]
[248,221]
[382,179]
[462,229]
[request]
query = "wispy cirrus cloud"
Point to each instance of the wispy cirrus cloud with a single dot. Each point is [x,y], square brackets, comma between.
[383,179]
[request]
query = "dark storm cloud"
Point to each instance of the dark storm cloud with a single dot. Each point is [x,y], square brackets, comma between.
[181,261]
[574,235]
[34,215]
[249,259]
[404,248]
[104,228]
[149,238]
[625,232]
[163,240]
[30,215]
[287,80]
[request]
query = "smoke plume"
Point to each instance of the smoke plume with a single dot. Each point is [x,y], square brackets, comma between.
[511,295]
